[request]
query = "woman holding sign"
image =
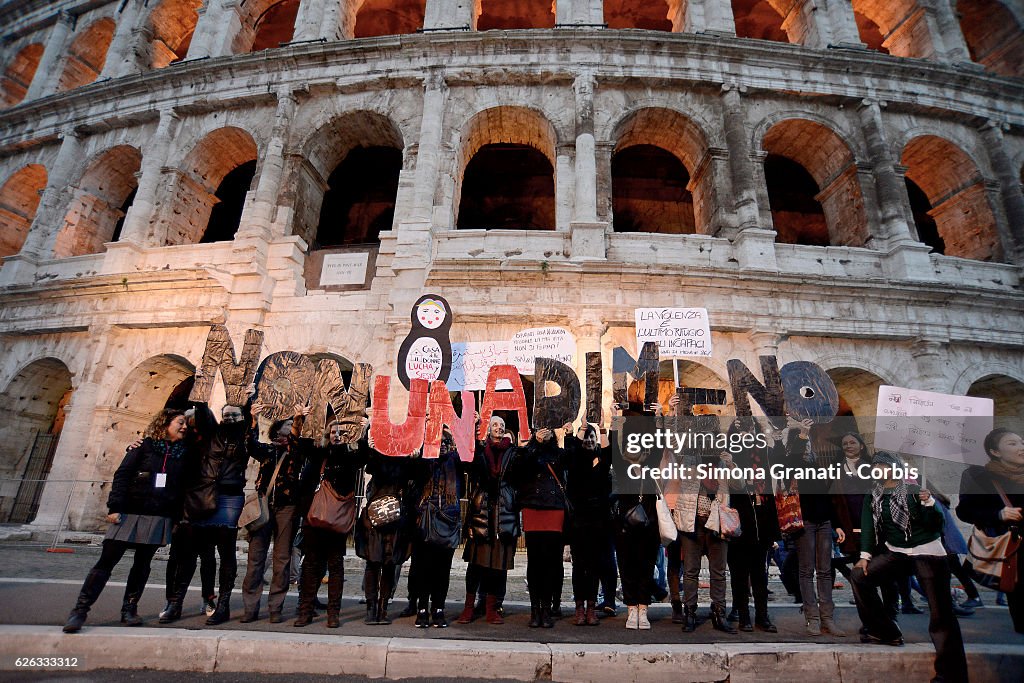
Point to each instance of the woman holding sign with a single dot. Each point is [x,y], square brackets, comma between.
[492,522]
[992,498]
[144,503]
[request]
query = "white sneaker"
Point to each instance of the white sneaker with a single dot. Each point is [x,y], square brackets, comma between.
[632,618]
[642,623]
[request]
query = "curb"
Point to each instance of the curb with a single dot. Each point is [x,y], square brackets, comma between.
[402,658]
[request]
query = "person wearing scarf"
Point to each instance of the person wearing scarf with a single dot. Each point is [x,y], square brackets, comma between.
[901,532]
[981,505]
[492,523]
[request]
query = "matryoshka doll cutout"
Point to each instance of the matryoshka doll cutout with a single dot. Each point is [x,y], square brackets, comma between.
[426,352]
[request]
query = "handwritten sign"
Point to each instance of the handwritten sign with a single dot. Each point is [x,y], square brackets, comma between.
[472,360]
[544,342]
[344,269]
[678,332]
[424,360]
[934,425]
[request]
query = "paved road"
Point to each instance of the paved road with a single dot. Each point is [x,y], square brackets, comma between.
[39,588]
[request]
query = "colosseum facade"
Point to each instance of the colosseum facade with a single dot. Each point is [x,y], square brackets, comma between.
[834,180]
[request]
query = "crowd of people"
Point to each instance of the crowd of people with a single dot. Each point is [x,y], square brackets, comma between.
[184,484]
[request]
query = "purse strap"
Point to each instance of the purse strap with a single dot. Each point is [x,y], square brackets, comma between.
[273,479]
[565,497]
[1002,494]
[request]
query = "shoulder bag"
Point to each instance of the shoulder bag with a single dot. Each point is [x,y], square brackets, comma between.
[994,558]
[329,510]
[256,509]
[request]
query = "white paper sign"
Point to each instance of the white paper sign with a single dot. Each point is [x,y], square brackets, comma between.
[543,342]
[471,362]
[679,332]
[344,269]
[935,425]
[424,360]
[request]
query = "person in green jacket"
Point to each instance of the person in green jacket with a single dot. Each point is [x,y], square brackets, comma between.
[901,531]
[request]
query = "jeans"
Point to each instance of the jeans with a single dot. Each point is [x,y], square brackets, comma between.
[933,572]
[281,530]
[816,560]
[695,546]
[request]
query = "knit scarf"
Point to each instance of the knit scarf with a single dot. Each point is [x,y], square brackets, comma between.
[1014,473]
[493,452]
[897,507]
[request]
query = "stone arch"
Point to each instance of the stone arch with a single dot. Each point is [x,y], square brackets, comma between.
[682,138]
[265,24]
[99,202]
[31,419]
[19,199]
[902,24]
[693,374]
[224,159]
[389,17]
[650,15]
[514,14]
[329,187]
[19,74]
[993,35]
[1006,392]
[956,193]
[526,139]
[87,55]
[173,23]
[759,19]
[829,160]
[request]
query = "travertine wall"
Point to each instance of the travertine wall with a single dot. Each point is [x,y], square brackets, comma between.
[126,321]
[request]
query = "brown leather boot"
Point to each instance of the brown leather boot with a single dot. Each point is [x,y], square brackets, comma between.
[581,614]
[493,616]
[591,614]
[467,612]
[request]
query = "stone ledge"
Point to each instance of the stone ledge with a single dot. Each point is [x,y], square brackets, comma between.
[400,658]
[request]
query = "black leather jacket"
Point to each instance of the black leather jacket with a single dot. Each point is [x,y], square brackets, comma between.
[537,467]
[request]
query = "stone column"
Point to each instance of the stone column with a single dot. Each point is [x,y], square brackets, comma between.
[264,202]
[579,12]
[132,33]
[740,167]
[702,16]
[588,235]
[39,242]
[1011,196]
[217,25]
[428,154]
[947,37]
[843,24]
[141,215]
[929,359]
[764,343]
[449,14]
[48,72]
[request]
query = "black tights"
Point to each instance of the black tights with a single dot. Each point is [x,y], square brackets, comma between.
[486,581]
[180,541]
[200,541]
[430,575]
[111,554]
[543,565]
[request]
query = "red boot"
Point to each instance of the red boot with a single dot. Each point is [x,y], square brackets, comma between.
[467,612]
[493,617]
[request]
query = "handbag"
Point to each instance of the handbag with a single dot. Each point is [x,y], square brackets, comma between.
[256,509]
[440,520]
[787,507]
[729,522]
[666,525]
[636,517]
[329,510]
[383,511]
[994,558]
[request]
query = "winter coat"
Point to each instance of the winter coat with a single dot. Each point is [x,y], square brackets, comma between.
[134,489]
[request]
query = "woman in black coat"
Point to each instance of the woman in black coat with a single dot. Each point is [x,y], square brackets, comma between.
[982,491]
[492,522]
[589,485]
[144,503]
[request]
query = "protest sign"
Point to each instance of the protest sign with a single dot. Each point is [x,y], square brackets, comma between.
[934,425]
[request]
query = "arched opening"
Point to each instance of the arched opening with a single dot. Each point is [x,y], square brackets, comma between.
[507,171]
[813,186]
[275,26]
[927,231]
[508,185]
[758,19]
[993,35]
[858,398]
[691,375]
[902,25]
[227,212]
[1006,393]
[87,55]
[956,194]
[99,203]
[649,192]
[389,18]
[360,197]
[869,33]
[19,199]
[515,14]
[18,76]
[346,193]
[210,189]
[173,23]
[31,420]
[650,15]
